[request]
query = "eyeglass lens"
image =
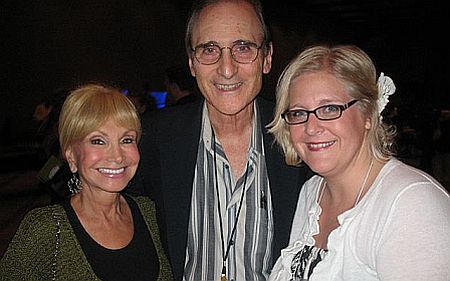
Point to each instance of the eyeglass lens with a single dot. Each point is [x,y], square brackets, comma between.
[241,53]
[325,112]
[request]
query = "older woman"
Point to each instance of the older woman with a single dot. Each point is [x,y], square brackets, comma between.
[365,215]
[99,233]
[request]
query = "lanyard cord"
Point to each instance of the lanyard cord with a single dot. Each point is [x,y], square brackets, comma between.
[230,241]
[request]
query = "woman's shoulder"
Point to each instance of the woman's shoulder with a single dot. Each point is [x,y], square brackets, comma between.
[36,231]
[404,187]
[41,218]
[140,199]
[399,177]
[145,204]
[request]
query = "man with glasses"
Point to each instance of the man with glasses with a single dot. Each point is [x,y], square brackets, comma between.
[224,194]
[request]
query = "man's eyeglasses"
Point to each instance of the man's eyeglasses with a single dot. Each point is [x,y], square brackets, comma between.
[241,52]
[324,113]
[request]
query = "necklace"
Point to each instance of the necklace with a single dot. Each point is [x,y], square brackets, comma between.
[361,189]
[223,275]
[364,183]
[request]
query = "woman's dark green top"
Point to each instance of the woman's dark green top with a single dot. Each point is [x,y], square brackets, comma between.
[45,247]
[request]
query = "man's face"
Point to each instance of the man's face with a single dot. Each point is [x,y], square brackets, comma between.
[229,86]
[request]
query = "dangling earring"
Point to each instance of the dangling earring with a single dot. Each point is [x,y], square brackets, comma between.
[74,184]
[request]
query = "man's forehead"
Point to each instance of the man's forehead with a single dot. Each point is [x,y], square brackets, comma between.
[228,22]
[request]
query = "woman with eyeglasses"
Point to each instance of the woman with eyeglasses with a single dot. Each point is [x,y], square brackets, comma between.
[365,215]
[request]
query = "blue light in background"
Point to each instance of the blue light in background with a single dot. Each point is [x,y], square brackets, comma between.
[160,98]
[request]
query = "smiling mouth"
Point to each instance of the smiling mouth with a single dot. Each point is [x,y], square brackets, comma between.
[228,87]
[316,146]
[111,171]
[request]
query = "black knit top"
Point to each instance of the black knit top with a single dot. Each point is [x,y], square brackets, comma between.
[137,261]
[45,247]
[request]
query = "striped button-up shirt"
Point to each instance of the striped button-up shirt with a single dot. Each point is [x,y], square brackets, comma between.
[250,254]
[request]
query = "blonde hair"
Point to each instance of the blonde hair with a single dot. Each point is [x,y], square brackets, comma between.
[354,68]
[88,107]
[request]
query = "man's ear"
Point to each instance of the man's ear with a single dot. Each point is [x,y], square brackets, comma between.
[191,66]
[71,160]
[267,63]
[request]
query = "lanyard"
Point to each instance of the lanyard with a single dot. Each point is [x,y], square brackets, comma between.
[230,241]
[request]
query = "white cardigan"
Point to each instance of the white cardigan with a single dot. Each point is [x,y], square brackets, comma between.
[400,230]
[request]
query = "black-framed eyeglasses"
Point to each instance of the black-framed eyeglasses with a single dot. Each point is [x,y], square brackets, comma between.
[241,52]
[325,113]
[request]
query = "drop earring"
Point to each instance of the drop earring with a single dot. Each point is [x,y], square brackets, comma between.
[74,184]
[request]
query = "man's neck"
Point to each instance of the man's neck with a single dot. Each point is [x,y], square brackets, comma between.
[231,125]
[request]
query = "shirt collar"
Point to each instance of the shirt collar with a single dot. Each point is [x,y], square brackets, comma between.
[256,138]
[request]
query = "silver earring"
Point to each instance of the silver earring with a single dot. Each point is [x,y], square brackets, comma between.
[74,184]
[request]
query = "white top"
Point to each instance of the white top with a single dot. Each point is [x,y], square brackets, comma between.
[400,230]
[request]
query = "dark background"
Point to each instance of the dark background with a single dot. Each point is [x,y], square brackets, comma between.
[51,44]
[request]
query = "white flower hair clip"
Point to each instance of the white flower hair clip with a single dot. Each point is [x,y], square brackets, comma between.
[386,88]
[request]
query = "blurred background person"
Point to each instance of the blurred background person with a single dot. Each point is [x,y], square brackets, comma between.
[53,173]
[143,101]
[180,85]
[46,114]
[441,165]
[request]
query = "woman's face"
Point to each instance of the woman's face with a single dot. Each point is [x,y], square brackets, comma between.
[327,147]
[106,159]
